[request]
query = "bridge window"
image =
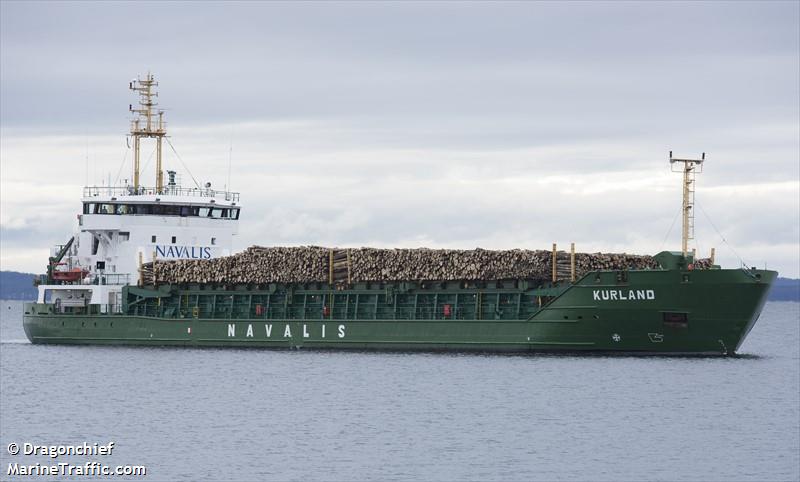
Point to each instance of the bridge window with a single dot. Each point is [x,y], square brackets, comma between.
[230,213]
[174,238]
[105,209]
[213,240]
[161,210]
[153,238]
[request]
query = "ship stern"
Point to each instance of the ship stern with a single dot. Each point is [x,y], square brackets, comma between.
[34,321]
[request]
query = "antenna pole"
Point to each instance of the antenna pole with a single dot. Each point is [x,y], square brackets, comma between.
[145,124]
[136,163]
[689,169]
[230,155]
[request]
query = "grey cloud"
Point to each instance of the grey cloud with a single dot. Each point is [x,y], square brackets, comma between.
[442,61]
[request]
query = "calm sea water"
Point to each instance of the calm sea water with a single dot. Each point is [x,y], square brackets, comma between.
[211,414]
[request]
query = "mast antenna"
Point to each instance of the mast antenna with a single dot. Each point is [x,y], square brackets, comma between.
[147,122]
[690,168]
[230,155]
[87,158]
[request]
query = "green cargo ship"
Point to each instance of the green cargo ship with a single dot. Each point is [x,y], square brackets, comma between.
[669,311]
[680,307]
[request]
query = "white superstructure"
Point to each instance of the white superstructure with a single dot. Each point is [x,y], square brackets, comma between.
[121,227]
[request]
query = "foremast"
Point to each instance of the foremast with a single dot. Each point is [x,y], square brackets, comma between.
[689,169]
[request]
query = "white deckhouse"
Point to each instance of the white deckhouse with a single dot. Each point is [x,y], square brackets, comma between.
[121,227]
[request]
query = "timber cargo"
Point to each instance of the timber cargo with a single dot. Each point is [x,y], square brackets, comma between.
[304,264]
[155,265]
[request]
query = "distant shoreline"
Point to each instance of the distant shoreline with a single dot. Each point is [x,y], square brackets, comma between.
[19,286]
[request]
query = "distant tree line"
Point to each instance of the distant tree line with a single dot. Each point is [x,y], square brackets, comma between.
[785,289]
[17,286]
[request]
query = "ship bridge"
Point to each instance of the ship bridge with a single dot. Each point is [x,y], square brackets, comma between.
[120,228]
[170,201]
[125,226]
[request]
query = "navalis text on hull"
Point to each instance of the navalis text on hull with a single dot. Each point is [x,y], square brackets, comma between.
[155,266]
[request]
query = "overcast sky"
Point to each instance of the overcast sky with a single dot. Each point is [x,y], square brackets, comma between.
[497,125]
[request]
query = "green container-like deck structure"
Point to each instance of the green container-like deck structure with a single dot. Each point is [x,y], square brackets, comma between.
[501,300]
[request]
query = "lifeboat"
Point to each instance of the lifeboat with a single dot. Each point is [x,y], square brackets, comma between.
[74,274]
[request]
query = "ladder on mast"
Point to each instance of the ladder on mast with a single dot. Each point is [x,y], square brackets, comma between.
[690,168]
[148,122]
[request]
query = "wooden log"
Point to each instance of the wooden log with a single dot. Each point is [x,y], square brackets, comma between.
[305,264]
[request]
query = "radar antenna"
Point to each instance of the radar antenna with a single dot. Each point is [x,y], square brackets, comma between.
[147,122]
[690,168]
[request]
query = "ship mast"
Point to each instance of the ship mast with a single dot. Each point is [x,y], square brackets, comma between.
[690,168]
[147,122]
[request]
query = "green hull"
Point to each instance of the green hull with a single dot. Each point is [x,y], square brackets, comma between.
[647,312]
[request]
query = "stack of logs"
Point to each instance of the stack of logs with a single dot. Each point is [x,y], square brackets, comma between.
[310,264]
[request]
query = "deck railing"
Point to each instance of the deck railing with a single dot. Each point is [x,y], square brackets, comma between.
[94,191]
[96,309]
[108,279]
